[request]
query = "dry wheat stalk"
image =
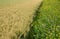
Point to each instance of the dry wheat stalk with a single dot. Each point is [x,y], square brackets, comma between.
[15,18]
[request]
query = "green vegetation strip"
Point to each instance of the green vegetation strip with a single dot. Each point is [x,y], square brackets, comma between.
[46,24]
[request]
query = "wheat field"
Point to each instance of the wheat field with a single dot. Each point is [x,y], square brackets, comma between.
[15,18]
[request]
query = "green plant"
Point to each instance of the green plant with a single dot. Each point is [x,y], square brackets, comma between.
[46,24]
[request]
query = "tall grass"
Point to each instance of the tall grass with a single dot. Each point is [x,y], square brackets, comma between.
[46,24]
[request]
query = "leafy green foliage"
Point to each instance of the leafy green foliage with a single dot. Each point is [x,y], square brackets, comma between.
[46,24]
